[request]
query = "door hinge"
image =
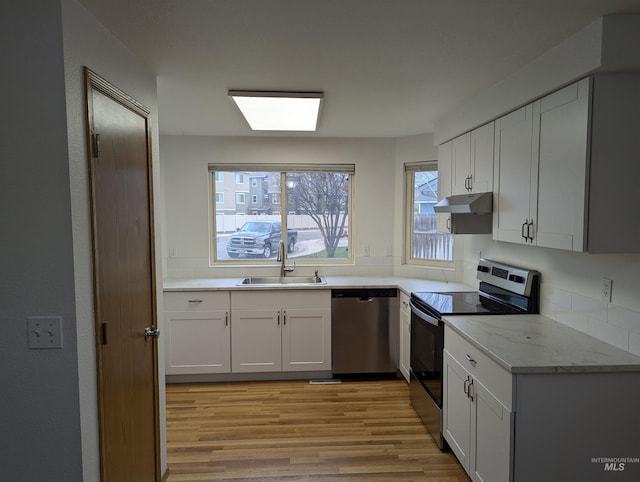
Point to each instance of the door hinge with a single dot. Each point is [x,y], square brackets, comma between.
[103,329]
[96,145]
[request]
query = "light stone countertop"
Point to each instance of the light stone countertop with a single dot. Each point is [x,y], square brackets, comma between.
[536,344]
[405,284]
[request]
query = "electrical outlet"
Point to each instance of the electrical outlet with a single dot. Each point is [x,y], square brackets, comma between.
[607,286]
[44,332]
[366,251]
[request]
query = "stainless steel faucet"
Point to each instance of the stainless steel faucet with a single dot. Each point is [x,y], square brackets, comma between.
[284,269]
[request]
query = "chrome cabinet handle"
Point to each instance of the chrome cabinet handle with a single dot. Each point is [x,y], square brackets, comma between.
[278,318]
[529,230]
[449,224]
[471,360]
[195,301]
[284,317]
[522,233]
[226,318]
[465,387]
[469,388]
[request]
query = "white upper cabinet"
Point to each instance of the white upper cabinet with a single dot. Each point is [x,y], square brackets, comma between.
[566,168]
[461,164]
[482,146]
[562,168]
[472,165]
[515,177]
[445,160]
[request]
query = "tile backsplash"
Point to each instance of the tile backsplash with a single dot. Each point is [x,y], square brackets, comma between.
[608,322]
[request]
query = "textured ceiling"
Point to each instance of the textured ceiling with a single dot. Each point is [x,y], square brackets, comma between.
[388,68]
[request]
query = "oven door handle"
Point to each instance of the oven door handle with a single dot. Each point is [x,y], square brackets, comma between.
[422,315]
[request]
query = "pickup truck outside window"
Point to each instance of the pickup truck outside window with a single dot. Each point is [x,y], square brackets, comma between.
[313,206]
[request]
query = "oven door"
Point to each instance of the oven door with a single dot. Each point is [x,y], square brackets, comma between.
[427,344]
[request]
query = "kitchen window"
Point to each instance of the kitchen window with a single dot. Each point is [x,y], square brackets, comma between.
[425,245]
[307,207]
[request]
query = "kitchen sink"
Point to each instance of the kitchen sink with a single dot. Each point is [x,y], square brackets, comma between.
[281,280]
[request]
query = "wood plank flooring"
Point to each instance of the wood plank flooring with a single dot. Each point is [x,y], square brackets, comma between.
[294,431]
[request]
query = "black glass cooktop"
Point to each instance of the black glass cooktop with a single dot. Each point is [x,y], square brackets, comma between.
[459,303]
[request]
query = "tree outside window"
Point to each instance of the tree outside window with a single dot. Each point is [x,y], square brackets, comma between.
[314,208]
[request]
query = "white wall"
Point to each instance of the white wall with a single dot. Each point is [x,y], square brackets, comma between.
[39,404]
[88,43]
[571,282]
[184,162]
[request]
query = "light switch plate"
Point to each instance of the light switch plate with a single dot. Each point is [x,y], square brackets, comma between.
[44,332]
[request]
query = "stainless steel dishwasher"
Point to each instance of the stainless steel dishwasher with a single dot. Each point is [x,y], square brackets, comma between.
[364,331]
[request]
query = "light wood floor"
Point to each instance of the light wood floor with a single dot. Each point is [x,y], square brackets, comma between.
[293,430]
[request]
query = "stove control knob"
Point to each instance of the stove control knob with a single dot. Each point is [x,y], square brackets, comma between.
[516,279]
[483,269]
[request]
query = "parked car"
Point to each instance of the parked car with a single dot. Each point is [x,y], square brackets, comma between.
[259,238]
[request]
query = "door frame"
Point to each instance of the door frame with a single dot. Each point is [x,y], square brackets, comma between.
[95,82]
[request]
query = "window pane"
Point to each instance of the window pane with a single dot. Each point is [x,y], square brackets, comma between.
[247,224]
[426,242]
[317,206]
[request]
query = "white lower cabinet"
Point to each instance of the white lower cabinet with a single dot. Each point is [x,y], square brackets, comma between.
[274,331]
[197,333]
[405,336]
[476,424]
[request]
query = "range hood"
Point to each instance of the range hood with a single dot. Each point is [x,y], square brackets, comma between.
[477,203]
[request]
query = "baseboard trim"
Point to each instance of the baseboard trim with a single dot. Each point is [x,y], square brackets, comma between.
[165,476]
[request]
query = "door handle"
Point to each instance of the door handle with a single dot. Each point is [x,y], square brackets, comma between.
[151,332]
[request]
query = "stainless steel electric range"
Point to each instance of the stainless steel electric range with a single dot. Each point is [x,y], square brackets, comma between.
[503,289]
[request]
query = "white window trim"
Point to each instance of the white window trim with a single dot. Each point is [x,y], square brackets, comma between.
[409,182]
[282,169]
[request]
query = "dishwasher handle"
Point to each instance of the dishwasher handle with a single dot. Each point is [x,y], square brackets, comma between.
[365,300]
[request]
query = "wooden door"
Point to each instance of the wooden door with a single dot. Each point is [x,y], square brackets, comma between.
[124,274]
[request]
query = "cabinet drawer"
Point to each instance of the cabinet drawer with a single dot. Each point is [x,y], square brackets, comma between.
[196,300]
[495,378]
[404,303]
[269,299]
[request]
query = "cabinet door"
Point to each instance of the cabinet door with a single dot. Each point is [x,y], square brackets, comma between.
[405,336]
[445,153]
[197,342]
[461,165]
[516,178]
[456,410]
[482,145]
[492,437]
[562,169]
[256,341]
[306,339]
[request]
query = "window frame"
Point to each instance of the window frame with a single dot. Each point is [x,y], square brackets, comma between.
[409,182]
[282,170]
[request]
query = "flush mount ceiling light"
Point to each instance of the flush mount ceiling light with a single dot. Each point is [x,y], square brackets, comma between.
[279,111]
